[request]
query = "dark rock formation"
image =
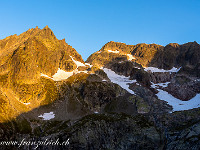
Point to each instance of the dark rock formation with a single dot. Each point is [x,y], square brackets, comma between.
[161,77]
[183,87]
[178,130]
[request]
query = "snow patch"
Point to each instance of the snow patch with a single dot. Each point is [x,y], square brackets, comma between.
[178,104]
[111,51]
[26,103]
[154,69]
[137,67]
[130,57]
[119,79]
[44,75]
[61,75]
[88,64]
[47,116]
[78,63]
[82,71]
[156,85]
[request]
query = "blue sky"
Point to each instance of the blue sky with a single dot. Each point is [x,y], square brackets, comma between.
[89,24]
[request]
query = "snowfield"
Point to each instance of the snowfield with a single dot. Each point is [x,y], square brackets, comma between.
[62,75]
[154,69]
[47,116]
[119,79]
[176,103]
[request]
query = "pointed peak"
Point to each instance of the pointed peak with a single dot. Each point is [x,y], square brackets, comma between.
[47,31]
[63,40]
[195,42]
[46,27]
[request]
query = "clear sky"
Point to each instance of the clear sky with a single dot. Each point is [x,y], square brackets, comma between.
[89,24]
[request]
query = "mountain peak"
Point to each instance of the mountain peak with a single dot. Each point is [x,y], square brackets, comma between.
[46,27]
[46,33]
[63,40]
[195,42]
[47,30]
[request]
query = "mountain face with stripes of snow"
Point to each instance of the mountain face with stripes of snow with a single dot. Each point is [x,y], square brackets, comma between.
[151,64]
[143,96]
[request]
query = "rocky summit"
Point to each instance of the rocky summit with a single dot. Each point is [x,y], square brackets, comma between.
[143,96]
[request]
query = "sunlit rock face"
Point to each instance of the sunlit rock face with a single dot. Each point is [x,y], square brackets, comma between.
[143,96]
[28,63]
[149,55]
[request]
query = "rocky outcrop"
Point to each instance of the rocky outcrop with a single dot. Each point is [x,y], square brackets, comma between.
[178,130]
[172,55]
[116,131]
[122,68]
[149,101]
[161,77]
[120,132]
[90,92]
[181,129]
[184,87]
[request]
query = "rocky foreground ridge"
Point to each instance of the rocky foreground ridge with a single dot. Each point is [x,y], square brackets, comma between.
[143,96]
